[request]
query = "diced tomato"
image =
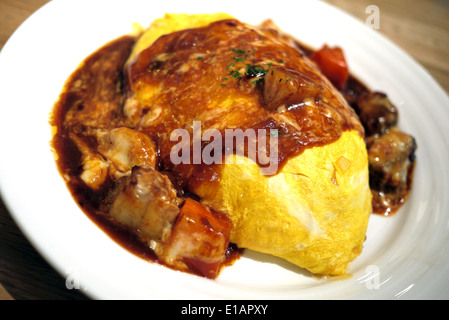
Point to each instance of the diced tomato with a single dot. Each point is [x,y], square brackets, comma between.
[200,238]
[332,64]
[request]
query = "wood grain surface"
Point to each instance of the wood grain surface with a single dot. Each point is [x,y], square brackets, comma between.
[419,27]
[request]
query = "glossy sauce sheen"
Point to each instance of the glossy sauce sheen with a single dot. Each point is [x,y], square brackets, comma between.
[99,86]
[216,60]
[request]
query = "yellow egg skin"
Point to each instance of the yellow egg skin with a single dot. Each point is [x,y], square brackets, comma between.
[172,22]
[313,213]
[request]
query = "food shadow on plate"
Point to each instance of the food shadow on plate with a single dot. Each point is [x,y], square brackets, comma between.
[264,258]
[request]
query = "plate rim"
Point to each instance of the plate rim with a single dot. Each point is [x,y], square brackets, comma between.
[10,202]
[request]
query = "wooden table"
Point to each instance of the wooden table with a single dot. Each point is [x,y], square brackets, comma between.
[420,27]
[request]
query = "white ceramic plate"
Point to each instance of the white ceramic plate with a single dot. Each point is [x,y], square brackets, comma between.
[405,256]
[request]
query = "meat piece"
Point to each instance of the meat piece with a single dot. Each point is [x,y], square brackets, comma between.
[94,168]
[126,148]
[391,159]
[117,151]
[192,239]
[198,241]
[145,202]
[284,88]
[376,113]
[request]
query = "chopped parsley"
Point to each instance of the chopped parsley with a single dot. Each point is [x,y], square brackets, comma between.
[239,51]
[237,71]
[255,70]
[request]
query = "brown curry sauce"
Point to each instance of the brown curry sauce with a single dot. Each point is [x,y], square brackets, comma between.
[100,80]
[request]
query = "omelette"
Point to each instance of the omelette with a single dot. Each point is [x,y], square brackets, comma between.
[155,155]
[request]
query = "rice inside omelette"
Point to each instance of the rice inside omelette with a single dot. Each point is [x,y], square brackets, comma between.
[313,213]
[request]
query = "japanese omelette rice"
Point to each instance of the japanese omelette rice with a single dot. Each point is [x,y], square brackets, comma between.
[202,133]
[314,211]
